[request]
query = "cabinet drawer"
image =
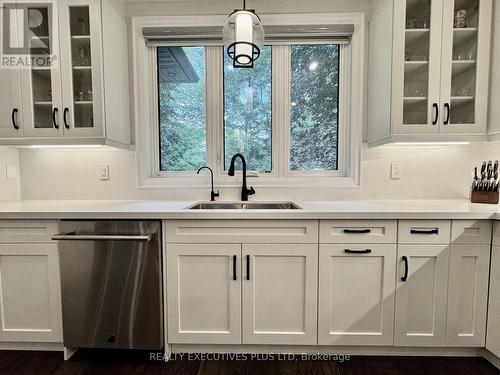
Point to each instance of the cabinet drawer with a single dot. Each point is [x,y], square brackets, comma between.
[496,233]
[23,231]
[424,231]
[358,231]
[474,232]
[241,231]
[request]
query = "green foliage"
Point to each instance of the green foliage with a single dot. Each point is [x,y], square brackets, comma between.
[183,118]
[247,112]
[314,110]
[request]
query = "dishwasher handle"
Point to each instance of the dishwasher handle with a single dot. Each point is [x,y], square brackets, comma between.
[72,236]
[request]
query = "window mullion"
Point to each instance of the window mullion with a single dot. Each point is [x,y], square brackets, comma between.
[281,106]
[214,108]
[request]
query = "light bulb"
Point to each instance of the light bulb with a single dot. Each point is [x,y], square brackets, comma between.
[243,32]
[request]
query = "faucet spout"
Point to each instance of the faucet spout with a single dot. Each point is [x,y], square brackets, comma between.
[245,192]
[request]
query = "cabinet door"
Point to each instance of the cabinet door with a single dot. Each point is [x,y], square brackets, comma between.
[416,66]
[467,295]
[31,293]
[356,294]
[80,36]
[493,335]
[280,294]
[465,66]
[41,84]
[204,293]
[421,299]
[10,104]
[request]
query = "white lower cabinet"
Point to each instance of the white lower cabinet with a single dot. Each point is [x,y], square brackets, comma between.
[204,299]
[30,293]
[250,294]
[493,335]
[356,294]
[280,294]
[421,295]
[467,295]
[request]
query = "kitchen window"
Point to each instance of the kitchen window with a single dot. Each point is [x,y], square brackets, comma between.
[291,116]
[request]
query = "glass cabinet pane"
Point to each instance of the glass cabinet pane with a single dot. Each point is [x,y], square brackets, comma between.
[463,73]
[39,19]
[81,62]
[416,64]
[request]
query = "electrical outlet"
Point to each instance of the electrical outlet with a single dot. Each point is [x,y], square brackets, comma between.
[395,171]
[104,172]
[12,172]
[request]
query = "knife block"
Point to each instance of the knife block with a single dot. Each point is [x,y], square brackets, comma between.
[488,197]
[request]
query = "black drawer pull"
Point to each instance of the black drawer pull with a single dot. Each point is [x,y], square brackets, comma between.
[54,114]
[65,118]
[349,251]
[405,276]
[14,116]
[357,231]
[248,267]
[424,231]
[436,113]
[234,267]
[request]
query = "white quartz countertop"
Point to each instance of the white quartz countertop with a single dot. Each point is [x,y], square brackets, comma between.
[341,209]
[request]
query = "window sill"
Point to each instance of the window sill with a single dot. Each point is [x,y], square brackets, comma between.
[201,182]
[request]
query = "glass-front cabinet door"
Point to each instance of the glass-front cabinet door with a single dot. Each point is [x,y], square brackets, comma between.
[40,78]
[81,70]
[465,61]
[417,51]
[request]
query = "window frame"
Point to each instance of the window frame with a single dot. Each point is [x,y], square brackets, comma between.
[351,95]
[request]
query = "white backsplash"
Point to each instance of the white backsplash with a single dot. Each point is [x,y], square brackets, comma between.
[426,173]
[10,188]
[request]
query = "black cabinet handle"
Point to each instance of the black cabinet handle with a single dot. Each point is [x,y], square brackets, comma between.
[65,118]
[14,115]
[447,107]
[234,267]
[436,113]
[357,231]
[54,114]
[424,231]
[248,267]
[405,276]
[349,251]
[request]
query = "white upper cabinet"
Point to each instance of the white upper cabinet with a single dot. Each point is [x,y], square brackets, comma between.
[81,70]
[66,102]
[433,84]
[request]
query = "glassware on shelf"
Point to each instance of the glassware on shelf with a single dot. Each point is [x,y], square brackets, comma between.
[78,96]
[89,95]
[411,23]
[83,26]
[407,54]
[462,91]
[461,19]
[84,56]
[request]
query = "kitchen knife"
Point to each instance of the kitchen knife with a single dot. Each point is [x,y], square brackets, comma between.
[475,174]
[483,168]
[495,167]
[490,172]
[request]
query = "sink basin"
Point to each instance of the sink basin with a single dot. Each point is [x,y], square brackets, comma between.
[244,206]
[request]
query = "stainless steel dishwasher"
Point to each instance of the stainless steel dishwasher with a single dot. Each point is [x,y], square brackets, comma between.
[111,284]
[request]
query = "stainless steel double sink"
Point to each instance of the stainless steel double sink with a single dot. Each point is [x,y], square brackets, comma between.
[244,206]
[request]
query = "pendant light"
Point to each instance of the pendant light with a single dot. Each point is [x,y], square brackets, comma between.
[243,37]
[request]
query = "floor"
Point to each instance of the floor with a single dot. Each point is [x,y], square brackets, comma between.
[116,363]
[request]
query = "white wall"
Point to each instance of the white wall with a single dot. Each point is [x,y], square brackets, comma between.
[438,172]
[10,187]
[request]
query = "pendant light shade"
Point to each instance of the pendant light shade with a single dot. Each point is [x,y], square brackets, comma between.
[243,37]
